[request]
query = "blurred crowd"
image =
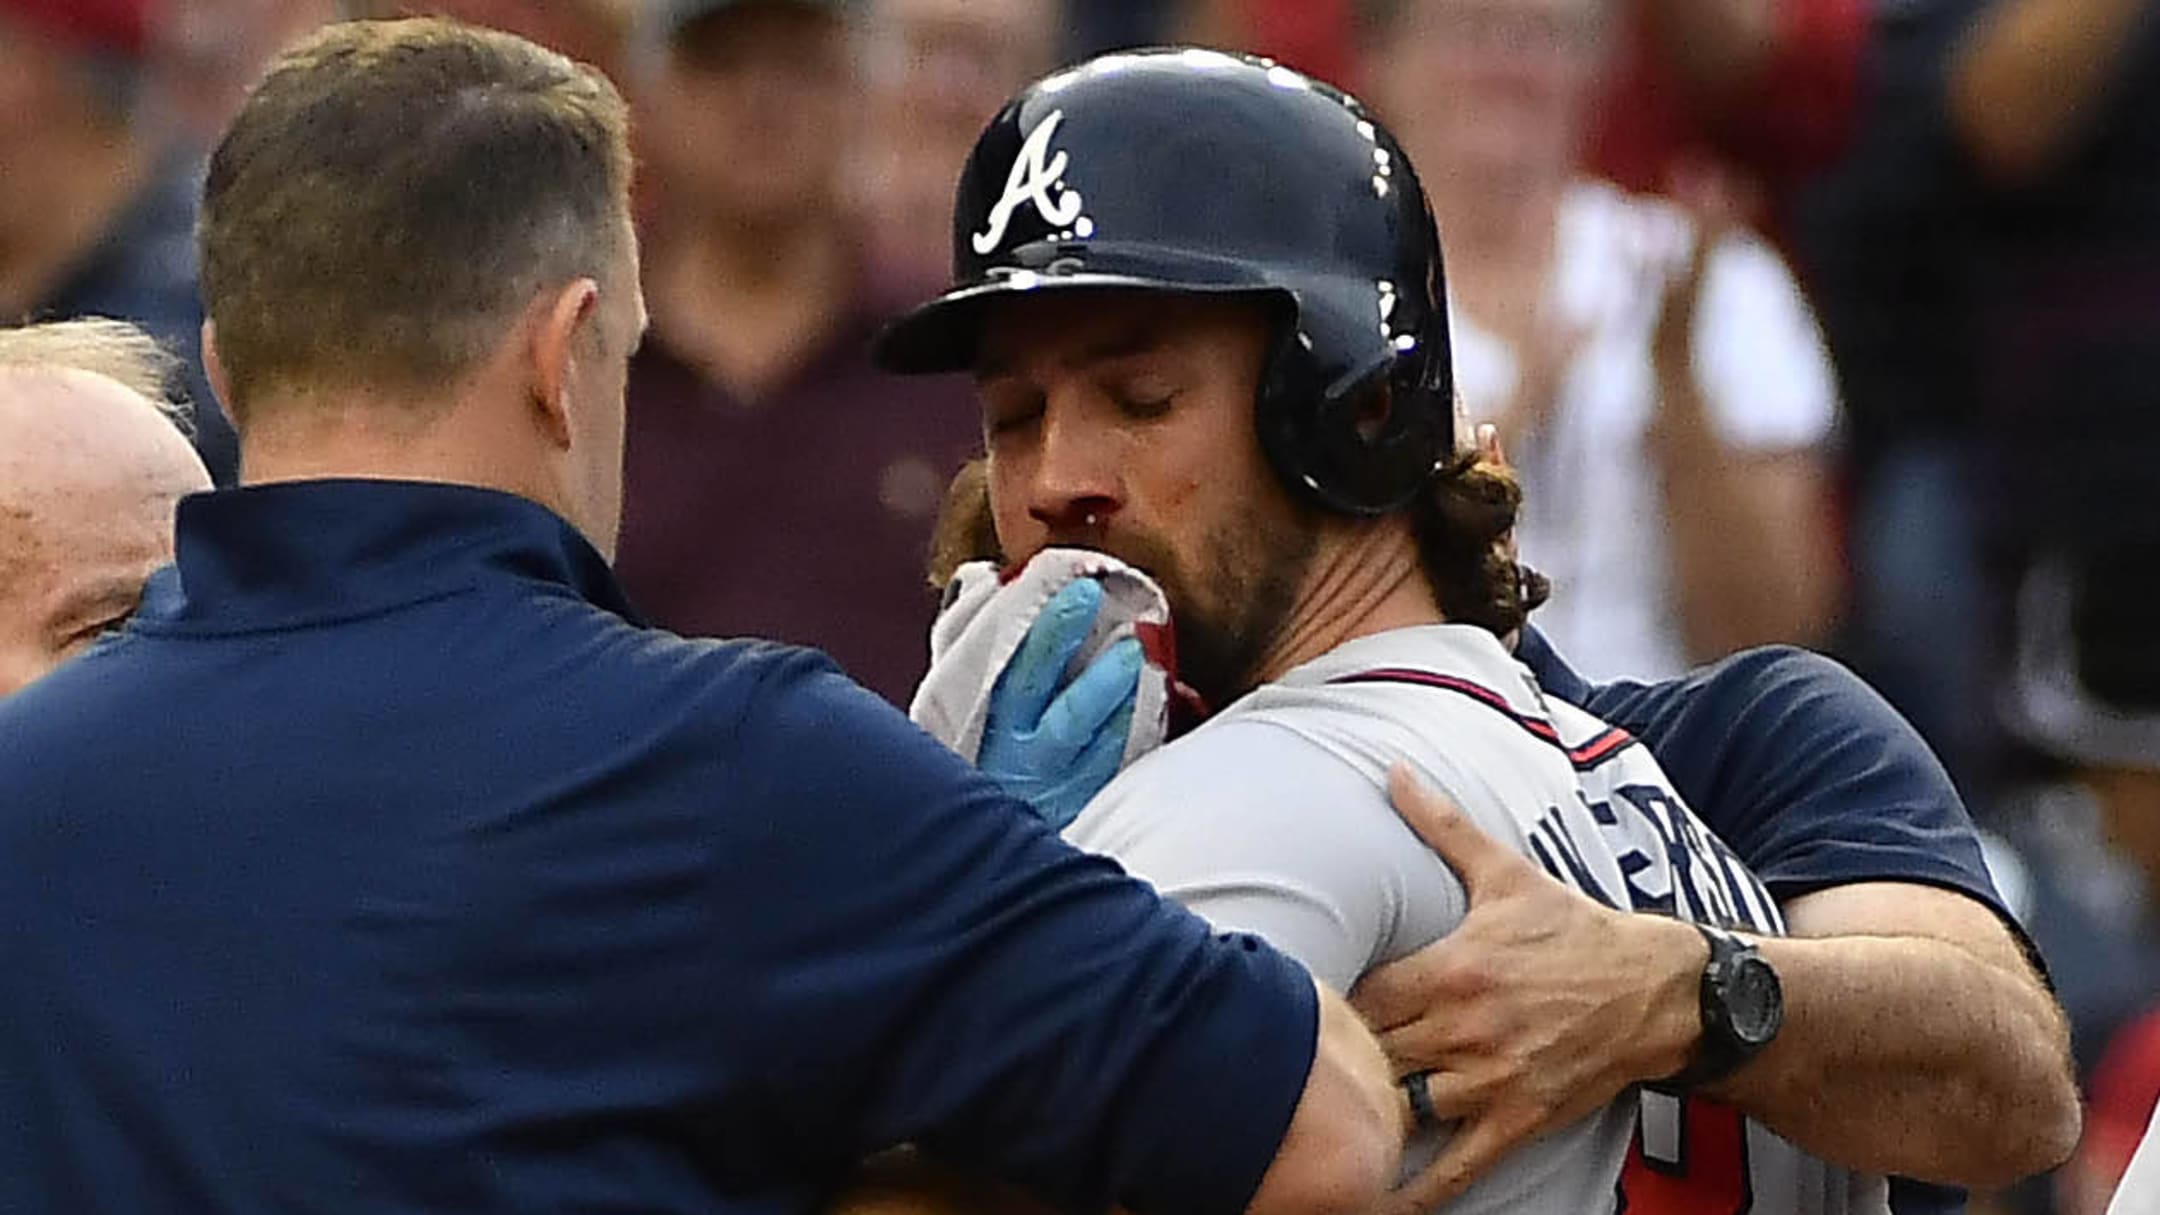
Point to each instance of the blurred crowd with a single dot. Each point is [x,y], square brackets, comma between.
[1805,321]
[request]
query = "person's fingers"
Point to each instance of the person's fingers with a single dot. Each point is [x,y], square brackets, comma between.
[1488,436]
[1684,290]
[1436,1041]
[1476,1146]
[1080,712]
[1454,1095]
[1418,997]
[1475,857]
[1105,752]
[1391,996]
[1025,689]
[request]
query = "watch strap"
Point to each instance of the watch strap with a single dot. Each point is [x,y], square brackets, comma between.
[1720,1051]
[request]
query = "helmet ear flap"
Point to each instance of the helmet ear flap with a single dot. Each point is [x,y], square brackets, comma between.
[1364,445]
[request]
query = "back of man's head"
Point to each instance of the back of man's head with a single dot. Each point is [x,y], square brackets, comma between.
[92,459]
[391,198]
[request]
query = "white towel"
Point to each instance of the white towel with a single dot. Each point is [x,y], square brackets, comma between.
[988,613]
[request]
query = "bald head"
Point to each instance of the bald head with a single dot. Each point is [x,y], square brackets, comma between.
[90,470]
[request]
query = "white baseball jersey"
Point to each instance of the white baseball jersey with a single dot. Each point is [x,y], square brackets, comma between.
[1273,818]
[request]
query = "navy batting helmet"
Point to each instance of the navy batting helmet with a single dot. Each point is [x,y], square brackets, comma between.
[1189,170]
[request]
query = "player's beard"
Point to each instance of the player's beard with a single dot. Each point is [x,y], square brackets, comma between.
[1231,611]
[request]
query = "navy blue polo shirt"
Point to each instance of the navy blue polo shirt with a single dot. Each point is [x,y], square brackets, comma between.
[1808,774]
[384,863]
[1797,764]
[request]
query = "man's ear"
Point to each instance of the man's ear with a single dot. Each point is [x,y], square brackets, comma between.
[555,330]
[214,368]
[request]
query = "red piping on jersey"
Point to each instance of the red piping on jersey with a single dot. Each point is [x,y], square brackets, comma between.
[1587,756]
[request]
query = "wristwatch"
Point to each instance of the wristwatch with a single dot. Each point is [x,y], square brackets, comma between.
[1742,1007]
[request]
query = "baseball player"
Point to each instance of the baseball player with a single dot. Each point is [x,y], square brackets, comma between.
[1338,569]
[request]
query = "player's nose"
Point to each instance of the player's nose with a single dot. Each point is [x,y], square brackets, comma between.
[1077,484]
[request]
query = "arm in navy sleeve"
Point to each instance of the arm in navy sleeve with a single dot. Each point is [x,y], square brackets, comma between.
[1798,765]
[1919,1037]
[936,967]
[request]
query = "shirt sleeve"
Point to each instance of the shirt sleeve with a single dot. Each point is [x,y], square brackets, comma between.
[1765,376]
[1801,767]
[930,964]
[1263,831]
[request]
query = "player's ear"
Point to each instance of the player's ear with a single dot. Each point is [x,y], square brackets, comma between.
[555,322]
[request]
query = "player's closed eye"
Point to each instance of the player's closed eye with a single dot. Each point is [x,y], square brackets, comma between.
[1148,397]
[1011,414]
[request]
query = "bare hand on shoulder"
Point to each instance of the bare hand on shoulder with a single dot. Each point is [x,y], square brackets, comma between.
[1542,1006]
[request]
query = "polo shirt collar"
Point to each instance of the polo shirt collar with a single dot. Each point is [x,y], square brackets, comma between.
[1551,671]
[314,552]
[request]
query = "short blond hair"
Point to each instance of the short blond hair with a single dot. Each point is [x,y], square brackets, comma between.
[117,350]
[393,193]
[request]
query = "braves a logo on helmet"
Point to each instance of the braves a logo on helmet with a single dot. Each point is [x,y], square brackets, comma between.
[1037,177]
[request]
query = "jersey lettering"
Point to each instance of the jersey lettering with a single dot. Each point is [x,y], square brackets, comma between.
[1638,847]
[1555,848]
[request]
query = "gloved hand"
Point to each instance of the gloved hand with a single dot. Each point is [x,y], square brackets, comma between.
[1055,747]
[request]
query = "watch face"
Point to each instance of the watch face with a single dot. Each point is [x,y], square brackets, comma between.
[1756,1002]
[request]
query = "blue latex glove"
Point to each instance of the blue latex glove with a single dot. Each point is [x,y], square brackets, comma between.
[1051,744]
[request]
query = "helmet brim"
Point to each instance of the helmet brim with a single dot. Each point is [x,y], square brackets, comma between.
[945,334]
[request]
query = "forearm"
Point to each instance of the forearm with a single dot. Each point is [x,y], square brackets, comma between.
[1345,1141]
[1936,1054]
[1339,1155]
[2028,75]
[1747,544]
[1909,1056]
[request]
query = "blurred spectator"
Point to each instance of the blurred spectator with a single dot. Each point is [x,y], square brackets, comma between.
[590,31]
[1987,265]
[2084,686]
[91,464]
[1764,92]
[1670,444]
[2054,110]
[777,484]
[97,211]
[209,53]
[1095,26]
[936,70]
[2087,908]
[1313,36]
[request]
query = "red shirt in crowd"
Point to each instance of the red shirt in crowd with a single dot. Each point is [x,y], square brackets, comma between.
[1794,120]
[804,516]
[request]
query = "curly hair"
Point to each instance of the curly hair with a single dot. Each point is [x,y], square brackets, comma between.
[1465,532]
[965,530]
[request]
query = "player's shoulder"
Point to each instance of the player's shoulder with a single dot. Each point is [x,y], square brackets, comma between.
[1790,688]
[1237,754]
[1777,687]
[1249,774]
[714,687]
